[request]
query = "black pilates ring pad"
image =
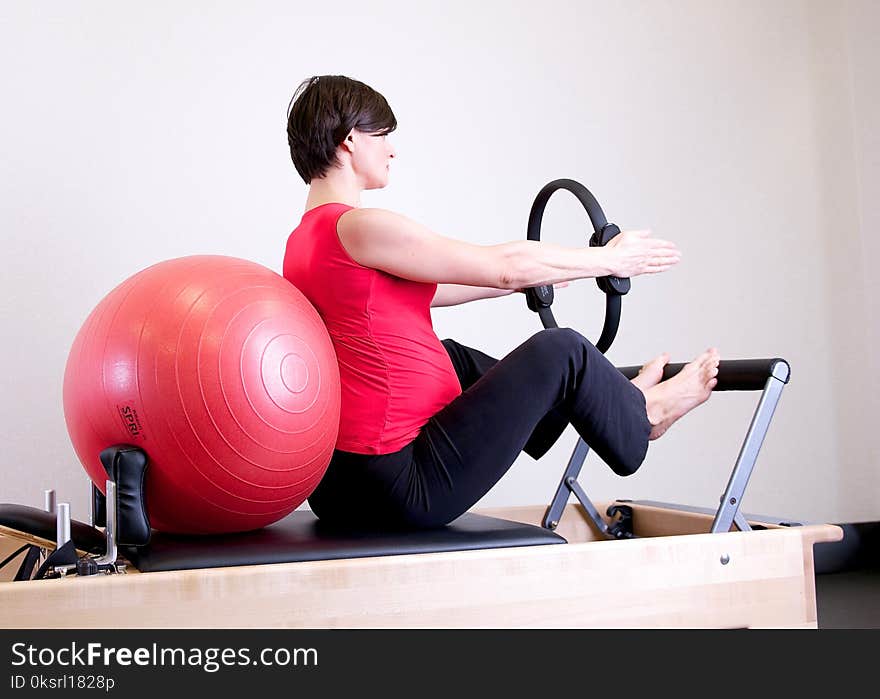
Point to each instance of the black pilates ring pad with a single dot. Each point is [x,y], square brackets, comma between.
[539,299]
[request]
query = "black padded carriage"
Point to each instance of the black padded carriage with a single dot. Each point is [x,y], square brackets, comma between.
[298,537]
[302,537]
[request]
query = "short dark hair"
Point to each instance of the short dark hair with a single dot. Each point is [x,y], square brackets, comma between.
[322,112]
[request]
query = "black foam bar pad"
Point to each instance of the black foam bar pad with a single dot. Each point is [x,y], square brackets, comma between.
[302,537]
[733,374]
[42,525]
[127,466]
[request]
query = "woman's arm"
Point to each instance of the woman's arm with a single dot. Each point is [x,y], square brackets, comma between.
[454,294]
[395,244]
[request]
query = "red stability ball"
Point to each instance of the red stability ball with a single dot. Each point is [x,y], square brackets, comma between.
[224,374]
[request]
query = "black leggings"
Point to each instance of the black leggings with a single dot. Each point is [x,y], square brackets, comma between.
[521,403]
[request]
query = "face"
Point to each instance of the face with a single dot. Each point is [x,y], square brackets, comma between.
[371,156]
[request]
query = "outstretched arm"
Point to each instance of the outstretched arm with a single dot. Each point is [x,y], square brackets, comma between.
[390,242]
[455,294]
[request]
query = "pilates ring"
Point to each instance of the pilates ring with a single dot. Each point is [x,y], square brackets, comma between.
[540,298]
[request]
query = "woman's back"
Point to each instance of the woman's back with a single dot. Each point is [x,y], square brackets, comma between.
[395,373]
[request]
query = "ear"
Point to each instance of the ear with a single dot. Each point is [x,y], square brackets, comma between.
[348,143]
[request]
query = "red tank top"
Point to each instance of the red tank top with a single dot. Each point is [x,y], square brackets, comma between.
[394,371]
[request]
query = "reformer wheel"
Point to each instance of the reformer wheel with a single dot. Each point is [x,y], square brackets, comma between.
[540,298]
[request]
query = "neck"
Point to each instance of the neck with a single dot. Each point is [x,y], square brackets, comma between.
[338,186]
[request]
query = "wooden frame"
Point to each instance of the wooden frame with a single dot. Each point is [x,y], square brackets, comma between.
[675,576]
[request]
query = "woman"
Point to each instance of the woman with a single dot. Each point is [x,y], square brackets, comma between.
[428,427]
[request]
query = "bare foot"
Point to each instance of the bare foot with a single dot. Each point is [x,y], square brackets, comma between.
[652,373]
[670,400]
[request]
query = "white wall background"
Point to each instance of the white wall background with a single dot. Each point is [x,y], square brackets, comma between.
[745,131]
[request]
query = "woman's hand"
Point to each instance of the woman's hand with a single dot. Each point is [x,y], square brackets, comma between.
[635,252]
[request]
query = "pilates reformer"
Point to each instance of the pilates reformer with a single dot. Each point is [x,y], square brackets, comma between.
[535,566]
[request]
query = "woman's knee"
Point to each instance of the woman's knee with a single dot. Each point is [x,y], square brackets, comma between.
[561,341]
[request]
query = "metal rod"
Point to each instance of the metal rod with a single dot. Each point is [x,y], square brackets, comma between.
[62,524]
[560,499]
[748,454]
[110,553]
[581,495]
[741,522]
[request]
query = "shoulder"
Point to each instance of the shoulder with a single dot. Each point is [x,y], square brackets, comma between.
[395,244]
[361,217]
[378,225]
